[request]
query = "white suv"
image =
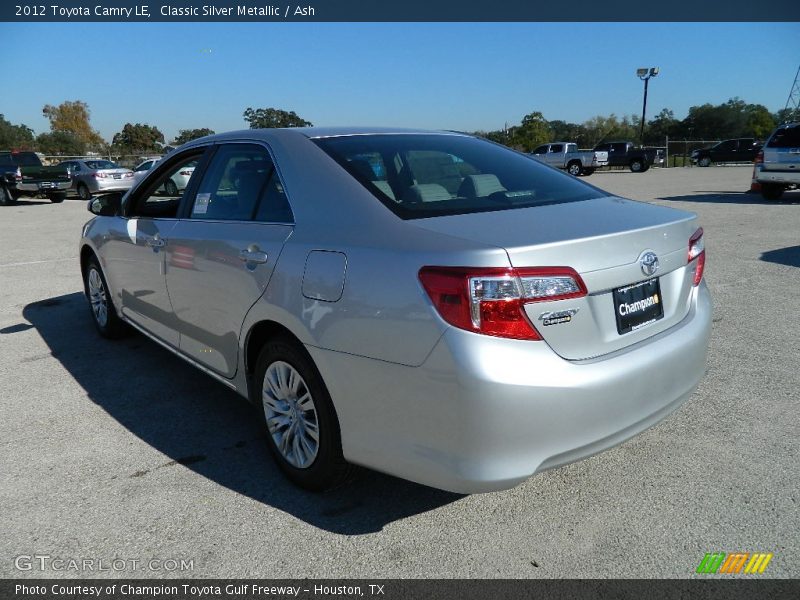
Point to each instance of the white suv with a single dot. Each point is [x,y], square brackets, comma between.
[778,163]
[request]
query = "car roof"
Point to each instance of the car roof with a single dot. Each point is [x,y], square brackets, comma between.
[313,133]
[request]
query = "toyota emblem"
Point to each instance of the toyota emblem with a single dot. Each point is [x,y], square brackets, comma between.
[649,263]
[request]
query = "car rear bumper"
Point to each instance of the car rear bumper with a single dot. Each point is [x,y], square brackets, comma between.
[787,177]
[484,413]
[41,188]
[110,185]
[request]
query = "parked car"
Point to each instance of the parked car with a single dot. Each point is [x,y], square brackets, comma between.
[778,163]
[23,174]
[427,304]
[565,155]
[626,154]
[176,184]
[91,176]
[738,150]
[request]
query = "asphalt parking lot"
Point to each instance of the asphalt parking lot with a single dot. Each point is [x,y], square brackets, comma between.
[119,450]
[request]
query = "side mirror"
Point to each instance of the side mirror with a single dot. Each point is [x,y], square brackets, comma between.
[107,205]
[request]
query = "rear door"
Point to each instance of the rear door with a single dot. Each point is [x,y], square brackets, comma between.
[782,151]
[223,251]
[555,157]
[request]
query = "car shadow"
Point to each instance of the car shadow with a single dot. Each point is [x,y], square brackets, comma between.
[732,198]
[783,256]
[201,424]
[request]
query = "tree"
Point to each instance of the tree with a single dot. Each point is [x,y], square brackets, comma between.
[187,135]
[567,132]
[532,132]
[15,137]
[760,121]
[662,126]
[63,143]
[138,138]
[73,117]
[266,118]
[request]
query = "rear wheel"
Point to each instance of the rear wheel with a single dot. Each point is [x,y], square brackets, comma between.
[83,191]
[103,313]
[637,166]
[57,198]
[302,427]
[171,188]
[771,191]
[574,168]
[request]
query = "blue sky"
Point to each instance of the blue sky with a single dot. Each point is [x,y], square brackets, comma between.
[464,76]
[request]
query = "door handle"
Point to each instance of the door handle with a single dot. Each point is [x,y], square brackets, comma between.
[253,256]
[155,242]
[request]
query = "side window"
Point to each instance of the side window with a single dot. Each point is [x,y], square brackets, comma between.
[603,148]
[145,166]
[540,150]
[556,148]
[234,183]
[162,197]
[726,146]
[274,206]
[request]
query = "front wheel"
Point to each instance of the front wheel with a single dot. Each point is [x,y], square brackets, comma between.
[574,168]
[6,198]
[171,188]
[302,427]
[771,191]
[637,166]
[57,198]
[704,162]
[103,313]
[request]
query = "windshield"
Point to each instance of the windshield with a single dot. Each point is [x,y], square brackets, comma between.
[427,175]
[101,164]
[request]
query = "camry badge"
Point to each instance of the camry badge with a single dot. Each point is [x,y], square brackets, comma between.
[557,317]
[649,262]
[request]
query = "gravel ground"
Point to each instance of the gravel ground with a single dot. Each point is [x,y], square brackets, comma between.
[118,450]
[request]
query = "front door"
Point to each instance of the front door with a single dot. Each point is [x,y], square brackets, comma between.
[222,252]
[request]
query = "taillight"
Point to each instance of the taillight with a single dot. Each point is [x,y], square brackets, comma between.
[759,160]
[491,300]
[99,175]
[697,251]
[18,174]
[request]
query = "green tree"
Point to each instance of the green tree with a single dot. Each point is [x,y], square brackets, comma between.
[63,143]
[187,135]
[15,137]
[73,117]
[267,118]
[662,126]
[760,121]
[532,132]
[561,131]
[138,138]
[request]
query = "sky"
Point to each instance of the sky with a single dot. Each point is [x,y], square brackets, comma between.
[463,76]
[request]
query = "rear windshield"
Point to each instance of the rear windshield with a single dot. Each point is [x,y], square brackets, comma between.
[428,175]
[101,164]
[785,137]
[22,159]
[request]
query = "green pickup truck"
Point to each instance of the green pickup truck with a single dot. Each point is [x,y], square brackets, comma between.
[22,174]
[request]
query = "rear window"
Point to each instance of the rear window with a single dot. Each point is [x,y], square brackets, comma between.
[21,159]
[428,175]
[101,164]
[785,137]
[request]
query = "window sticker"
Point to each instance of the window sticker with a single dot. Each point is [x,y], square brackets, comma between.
[201,205]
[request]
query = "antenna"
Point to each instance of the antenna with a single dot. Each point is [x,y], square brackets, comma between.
[792,108]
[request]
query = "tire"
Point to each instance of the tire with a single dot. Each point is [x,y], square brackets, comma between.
[57,198]
[6,197]
[637,166]
[104,315]
[587,171]
[284,376]
[171,188]
[574,168]
[771,191]
[83,191]
[704,162]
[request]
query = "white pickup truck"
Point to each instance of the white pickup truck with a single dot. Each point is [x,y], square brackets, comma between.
[566,155]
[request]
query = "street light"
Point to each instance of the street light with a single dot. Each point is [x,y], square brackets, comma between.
[645,75]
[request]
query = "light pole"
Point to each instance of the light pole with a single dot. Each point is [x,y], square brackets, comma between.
[645,75]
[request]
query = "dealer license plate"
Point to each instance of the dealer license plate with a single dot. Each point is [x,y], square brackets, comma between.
[638,305]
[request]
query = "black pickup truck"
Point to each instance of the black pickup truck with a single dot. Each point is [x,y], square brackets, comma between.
[626,154]
[22,174]
[736,150]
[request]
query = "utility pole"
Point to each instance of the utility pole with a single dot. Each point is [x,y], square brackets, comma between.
[645,74]
[792,108]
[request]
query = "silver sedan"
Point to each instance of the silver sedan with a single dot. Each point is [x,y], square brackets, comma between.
[426,304]
[92,176]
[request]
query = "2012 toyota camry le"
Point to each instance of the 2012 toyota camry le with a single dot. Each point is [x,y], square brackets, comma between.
[426,304]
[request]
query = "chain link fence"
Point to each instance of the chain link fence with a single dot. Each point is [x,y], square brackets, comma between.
[123,160]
